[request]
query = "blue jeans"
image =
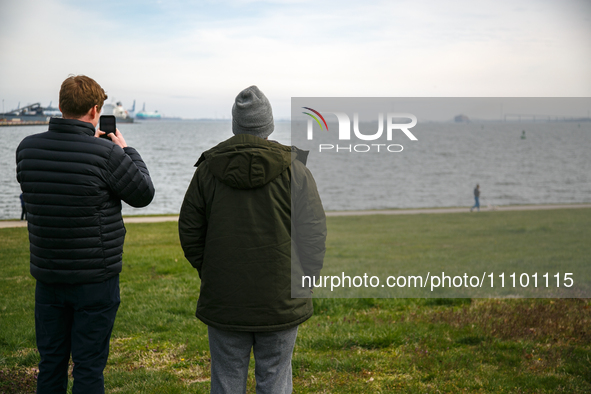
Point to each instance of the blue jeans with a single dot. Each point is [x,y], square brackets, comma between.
[476,204]
[230,354]
[75,319]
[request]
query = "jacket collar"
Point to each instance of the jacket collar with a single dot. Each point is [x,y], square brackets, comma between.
[241,141]
[73,126]
[296,153]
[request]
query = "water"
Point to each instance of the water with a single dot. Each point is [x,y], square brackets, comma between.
[169,149]
[439,170]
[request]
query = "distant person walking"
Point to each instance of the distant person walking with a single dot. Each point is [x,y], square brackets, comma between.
[23,210]
[476,198]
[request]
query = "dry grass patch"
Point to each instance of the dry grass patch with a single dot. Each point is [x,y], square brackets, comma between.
[18,380]
[556,320]
[127,355]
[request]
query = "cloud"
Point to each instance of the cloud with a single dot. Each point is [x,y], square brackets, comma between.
[206,52]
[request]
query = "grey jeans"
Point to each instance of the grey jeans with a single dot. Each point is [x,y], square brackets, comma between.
[230,355]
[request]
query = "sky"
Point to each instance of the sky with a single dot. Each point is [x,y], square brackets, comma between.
[191,58]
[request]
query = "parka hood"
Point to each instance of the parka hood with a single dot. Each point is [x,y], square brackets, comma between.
[247,162]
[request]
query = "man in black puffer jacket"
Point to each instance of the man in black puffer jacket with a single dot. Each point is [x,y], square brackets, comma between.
[73,183]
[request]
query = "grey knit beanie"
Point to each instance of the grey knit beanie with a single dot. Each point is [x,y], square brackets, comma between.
[252,114]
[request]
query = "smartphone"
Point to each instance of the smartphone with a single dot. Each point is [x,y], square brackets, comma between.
[107,124]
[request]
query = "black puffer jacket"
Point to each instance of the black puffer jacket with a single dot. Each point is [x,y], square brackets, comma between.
[73,184]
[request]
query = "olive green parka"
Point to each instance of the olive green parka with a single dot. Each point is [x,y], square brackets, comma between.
[251,222]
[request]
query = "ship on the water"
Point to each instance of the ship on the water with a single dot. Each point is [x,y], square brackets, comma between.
[121,114]
[35,114]
[145,115]
[29,115]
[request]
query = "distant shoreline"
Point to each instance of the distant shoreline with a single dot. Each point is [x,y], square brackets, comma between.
[9,123]
[12,223]
[283,120]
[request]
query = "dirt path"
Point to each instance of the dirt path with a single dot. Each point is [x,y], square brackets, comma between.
[156,219]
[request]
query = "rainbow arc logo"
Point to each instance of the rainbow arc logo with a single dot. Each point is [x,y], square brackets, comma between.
[315,118]
[344,127]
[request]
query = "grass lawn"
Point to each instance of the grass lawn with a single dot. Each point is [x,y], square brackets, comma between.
[367,345]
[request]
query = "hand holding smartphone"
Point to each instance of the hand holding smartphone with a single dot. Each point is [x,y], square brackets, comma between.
[108,125]
[109,128]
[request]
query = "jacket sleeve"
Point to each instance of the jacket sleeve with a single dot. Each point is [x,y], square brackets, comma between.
[129,178]
[193,223]
[309,220]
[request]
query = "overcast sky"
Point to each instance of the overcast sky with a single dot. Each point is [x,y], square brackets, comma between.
[190,59]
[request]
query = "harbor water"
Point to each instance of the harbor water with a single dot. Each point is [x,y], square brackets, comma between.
[551,165]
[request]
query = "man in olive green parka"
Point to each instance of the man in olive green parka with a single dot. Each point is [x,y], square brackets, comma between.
[251,220]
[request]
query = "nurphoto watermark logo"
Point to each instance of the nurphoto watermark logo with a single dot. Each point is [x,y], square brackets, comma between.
[392,124]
